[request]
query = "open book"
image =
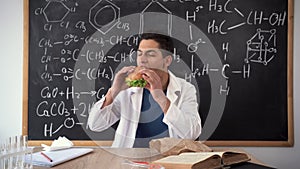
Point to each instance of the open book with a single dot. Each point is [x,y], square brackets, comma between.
[52,158]
[203,160]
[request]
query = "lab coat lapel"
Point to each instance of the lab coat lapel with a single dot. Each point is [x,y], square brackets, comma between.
[173,90]
[136,101]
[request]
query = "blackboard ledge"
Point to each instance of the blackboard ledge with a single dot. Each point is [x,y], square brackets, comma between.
[75,142]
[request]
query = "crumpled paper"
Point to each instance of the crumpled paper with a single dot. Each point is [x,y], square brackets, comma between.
[58,144]
[173,146]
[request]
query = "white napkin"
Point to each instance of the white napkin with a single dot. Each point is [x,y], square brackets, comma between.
[58,144]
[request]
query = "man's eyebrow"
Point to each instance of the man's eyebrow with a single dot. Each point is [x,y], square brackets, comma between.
[151,50]
[148,50]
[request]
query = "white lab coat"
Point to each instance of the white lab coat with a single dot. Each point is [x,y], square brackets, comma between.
[182,117]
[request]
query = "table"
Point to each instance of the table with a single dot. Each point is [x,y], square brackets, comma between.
[108,158]
[114,158]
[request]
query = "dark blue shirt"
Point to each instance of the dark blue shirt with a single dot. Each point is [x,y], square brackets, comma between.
[150,124]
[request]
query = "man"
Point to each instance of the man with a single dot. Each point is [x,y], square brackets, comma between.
[166,107]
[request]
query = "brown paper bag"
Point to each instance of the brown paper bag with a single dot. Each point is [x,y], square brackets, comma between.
[172,146]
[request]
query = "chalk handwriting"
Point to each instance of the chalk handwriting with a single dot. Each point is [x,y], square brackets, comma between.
[59,47]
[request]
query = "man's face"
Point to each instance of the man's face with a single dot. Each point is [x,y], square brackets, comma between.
[150,56]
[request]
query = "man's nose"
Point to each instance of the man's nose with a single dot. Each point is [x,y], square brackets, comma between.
[143,58]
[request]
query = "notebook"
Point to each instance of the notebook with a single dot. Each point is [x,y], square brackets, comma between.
[57,157]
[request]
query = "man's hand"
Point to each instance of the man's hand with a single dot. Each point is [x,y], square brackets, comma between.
[119,83]
[155,86]
[153,80]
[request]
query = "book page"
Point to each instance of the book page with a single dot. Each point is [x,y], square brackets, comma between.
[185,158]
[202,154]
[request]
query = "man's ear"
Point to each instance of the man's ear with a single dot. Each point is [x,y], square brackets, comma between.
[168,60]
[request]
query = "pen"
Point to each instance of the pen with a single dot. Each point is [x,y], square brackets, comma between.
[48,158]
[141,162]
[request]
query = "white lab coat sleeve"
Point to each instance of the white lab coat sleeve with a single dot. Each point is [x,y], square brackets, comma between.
[101,119]
[183,118]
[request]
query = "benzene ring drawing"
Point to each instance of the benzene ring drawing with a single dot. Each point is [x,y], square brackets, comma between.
[148,18]
[104,15]
[50,11]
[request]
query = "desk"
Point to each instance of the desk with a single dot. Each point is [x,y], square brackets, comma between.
[108,158]
[112,158]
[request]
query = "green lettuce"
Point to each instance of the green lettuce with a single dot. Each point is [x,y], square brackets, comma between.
[136,83]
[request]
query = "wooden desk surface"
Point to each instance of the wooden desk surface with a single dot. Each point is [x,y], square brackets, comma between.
[108,158]
[112,158]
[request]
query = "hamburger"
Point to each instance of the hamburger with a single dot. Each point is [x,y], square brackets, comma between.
[135,79]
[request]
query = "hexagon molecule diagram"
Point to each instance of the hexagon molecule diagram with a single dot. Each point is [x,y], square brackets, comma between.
[55,11]
[104,15]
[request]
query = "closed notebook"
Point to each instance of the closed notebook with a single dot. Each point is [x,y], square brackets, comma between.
[57,157]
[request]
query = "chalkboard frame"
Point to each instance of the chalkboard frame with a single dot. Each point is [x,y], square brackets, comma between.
[290,127]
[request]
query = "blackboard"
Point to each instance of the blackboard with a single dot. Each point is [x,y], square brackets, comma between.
[237,53]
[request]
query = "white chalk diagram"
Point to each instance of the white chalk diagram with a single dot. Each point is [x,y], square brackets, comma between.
[261,48]
[55,17]
[104,11]
[145,22]
[105,15]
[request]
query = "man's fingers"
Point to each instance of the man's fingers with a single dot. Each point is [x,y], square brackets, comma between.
[126,70]
[130,70]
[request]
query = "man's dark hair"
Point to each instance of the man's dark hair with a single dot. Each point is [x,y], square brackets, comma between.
[165,42]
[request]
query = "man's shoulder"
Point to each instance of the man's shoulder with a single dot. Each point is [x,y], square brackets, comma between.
[184,82]
[180,82]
